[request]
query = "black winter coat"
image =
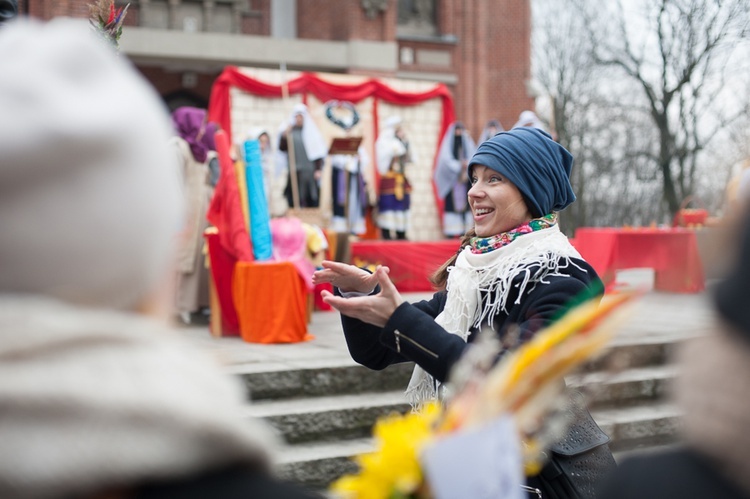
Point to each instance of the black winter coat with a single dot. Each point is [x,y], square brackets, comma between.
[411,334]
[677,473]
[423,341]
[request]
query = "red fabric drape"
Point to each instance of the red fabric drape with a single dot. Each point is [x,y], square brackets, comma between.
[225,210]
[219,108]
[222,267]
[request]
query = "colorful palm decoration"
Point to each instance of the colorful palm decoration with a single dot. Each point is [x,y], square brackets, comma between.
[107,20]
[526,384]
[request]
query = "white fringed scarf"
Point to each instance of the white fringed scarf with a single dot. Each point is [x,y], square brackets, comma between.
[536,256]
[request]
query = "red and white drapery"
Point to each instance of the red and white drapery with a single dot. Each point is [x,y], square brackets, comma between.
[220,105]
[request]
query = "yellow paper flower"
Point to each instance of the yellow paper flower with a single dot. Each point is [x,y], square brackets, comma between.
[393,469]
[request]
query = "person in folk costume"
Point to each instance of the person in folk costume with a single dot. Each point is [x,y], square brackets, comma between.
[212,158]
[274,176]
[101,396]
[348,183]
[192,153]
[349,191]
[492,128]
[393,154]
[452,179]
[530,119]
[309,152]
[516,255]
[214,172]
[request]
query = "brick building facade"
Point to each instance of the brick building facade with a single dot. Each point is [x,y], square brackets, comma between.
[479,48]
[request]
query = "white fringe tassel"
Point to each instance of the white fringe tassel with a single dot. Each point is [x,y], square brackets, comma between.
[535,256]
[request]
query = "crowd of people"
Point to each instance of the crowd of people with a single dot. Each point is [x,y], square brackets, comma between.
[103,241]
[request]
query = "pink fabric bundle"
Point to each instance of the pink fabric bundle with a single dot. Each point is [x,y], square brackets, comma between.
[290,245]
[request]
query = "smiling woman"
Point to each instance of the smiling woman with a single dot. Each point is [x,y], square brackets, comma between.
[496,203]
[514,274]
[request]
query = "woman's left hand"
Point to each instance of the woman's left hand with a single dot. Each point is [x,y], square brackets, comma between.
[373,309]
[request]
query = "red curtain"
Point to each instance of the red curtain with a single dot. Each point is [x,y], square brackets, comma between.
[219,108]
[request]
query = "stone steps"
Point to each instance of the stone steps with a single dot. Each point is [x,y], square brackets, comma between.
[644,425]
[638,428]
[604,389]
[323,381]
[329,418]
[316,465]
[351,378]
[325,414]
[352,416]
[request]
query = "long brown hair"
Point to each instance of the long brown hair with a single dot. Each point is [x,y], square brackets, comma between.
[439,278]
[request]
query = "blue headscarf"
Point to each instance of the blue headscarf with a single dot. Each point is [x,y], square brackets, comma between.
[533,162]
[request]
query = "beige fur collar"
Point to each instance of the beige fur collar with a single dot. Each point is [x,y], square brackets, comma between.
[90,399]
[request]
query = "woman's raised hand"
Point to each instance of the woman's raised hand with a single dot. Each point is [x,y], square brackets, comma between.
[346,277]
[373,309]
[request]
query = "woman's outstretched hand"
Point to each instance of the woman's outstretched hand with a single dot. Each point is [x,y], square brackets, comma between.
[373,309]
[347,278]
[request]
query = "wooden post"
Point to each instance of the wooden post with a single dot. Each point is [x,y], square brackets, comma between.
[290,142]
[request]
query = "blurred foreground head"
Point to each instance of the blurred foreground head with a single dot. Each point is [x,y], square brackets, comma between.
[712,390]
[89,191]
[95,398]
[732,294]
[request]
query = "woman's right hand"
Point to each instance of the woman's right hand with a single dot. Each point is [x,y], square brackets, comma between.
[346,277]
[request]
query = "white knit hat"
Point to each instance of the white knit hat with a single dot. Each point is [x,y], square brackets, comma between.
[90,198]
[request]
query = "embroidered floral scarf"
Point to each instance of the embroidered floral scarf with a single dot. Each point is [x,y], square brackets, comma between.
[481,245]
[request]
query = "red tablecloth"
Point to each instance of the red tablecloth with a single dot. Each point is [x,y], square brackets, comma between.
[271,302]
[672,253]
[411,263]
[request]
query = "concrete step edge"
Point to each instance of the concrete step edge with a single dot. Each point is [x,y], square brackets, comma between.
[251,368]
[291,454]
[269,408]
[636,413]
[660,372]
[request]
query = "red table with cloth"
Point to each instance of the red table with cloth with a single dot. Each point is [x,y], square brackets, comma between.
[411,263]
[672,253]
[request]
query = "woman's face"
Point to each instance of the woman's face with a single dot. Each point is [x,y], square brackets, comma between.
[497,204]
